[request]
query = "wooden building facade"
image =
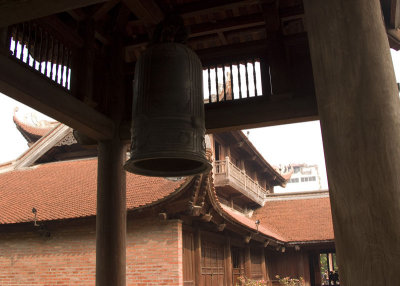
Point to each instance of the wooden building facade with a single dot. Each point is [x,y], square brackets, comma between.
[180,231]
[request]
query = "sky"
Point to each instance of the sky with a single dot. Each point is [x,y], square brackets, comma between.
[280,145]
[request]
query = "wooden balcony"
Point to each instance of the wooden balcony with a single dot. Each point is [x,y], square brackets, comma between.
[235,181]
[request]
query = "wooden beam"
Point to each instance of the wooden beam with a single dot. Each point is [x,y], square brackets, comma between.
[16,11]
[104,9]
[250,113]
[62,30]
[240,51]
[258,113]
[222,38]
[146,10]
[31,88]
[77,14]
[395,14]
[200,7]
[203,29]
[226,25]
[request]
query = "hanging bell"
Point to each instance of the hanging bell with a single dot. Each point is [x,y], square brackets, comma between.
[168,113]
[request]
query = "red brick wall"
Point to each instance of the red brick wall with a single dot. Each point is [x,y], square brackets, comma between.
[154,253]
[68,257]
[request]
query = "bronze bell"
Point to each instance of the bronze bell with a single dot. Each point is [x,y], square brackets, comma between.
[168,113]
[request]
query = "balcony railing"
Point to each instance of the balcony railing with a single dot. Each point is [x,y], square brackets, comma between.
[227,173]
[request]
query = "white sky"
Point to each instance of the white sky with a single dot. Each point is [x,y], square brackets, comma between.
[283,144]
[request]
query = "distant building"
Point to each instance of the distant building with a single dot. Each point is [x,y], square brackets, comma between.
[302,178]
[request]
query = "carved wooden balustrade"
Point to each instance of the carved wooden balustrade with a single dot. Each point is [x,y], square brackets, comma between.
[226,173]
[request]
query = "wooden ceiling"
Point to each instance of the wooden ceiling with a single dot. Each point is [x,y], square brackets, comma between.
[212,24]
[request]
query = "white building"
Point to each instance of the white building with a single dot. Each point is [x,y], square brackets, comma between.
[303,178]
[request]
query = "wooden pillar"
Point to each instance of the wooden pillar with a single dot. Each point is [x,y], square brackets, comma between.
[264,265]
[111,178]
[197,257]
[111,215]
[247,262]
[359,109]
[228,262]
[4,49]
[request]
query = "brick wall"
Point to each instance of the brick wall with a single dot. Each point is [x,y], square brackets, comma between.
[154,253]
[68,257]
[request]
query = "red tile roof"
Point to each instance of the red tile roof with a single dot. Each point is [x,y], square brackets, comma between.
[298,219]
[250,223]
[65,190]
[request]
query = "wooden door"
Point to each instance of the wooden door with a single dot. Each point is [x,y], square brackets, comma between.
[237,254]
[188,259]
[212,263]
[256,264]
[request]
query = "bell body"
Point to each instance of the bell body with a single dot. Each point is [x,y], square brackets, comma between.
[168,113]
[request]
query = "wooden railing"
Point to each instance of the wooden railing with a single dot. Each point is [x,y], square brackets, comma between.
[232,81]
[40,50]
[226,170]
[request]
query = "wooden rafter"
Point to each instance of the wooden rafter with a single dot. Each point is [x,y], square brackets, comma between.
[226,25]
[201,8]
[16,11]
[77,14]
[104,9]
[30,88]
[146,10]
[201,30]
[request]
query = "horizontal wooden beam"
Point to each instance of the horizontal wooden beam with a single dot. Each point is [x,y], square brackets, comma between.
[204,29]
[208,7]
[146,10]
[251,113]
[258,112]
[16,11]
[30,88]
[226,25]
[233,52]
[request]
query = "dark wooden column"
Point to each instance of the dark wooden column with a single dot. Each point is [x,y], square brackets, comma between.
[197,257]
[247,262]
[3,41]
[111,194]
[228,262]
[264,265]
[359,109]
[111,215]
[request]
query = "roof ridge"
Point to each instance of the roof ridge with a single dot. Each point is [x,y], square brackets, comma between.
[35,130]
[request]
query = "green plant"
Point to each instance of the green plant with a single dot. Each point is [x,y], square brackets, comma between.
[290,281]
